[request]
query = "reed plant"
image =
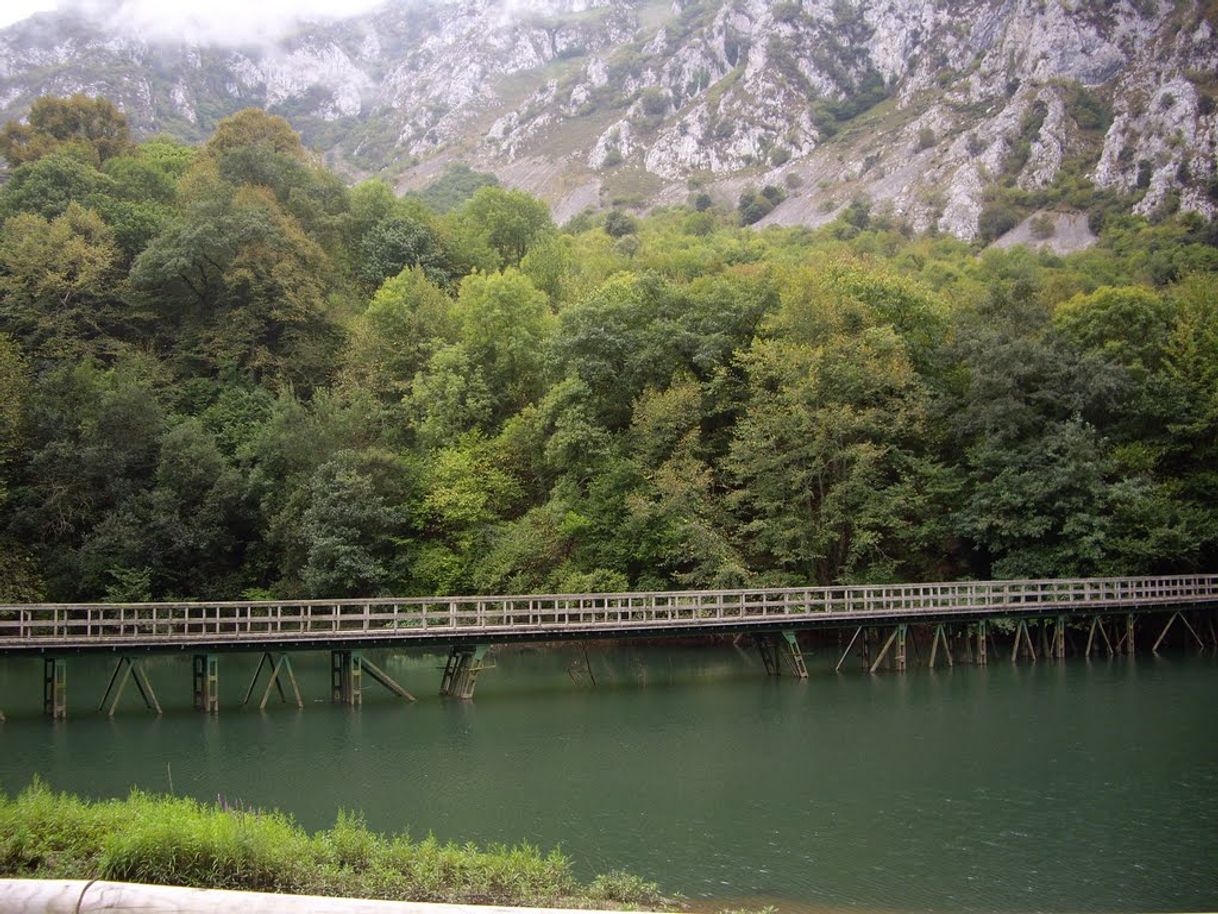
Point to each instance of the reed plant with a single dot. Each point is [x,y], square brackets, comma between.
[180,841]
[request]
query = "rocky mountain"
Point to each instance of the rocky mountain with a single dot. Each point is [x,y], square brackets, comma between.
[954,114]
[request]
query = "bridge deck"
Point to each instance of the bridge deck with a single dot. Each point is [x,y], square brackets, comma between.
[454,620]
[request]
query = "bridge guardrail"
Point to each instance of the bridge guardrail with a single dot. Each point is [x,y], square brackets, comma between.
[432,617]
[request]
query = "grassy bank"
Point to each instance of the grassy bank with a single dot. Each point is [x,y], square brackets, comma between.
[177,841]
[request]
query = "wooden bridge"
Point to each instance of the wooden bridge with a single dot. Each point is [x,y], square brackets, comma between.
[469,626]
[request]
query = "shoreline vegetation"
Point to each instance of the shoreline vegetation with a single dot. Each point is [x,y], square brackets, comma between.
[171,840]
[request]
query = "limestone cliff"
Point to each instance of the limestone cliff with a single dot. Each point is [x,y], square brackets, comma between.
[923,106]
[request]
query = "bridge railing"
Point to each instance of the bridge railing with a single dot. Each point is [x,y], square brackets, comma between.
[321,620]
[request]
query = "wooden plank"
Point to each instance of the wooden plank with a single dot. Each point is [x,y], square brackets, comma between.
[302,622]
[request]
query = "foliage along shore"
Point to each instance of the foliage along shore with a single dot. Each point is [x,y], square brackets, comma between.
[224,373]
[169,840]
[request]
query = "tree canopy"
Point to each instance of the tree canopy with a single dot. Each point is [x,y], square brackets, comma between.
[224,372]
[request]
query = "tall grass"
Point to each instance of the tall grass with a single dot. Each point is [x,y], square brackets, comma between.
[179,841]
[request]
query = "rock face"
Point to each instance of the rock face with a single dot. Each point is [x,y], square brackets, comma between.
[921,105]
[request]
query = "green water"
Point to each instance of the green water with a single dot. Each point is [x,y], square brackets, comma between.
[1069,786]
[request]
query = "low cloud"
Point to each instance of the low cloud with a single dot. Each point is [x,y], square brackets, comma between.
[223,22]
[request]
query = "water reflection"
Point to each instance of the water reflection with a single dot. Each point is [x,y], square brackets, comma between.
[1054,786]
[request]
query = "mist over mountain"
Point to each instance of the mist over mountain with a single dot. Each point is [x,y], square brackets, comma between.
[962,117]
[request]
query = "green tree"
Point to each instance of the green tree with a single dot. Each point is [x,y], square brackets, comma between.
[397,242]
[14,383]
[833,484]
[503,323]
[49,185]
[466,495]
[406,323]
[510,221]
[58,283]
[246,285]
[91,128]
[93,449]
[355,525]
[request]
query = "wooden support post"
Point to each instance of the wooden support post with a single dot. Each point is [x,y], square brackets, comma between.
[55,688]
[465,662]
[206,683]
[1183,619]
[1059,638]
[1024,640]
[940,637]
[127,670]
[795,657]
[1129,642]
[1196,637]
[1097,624]
[900,653]
[769,655]
[380,676]
[883,651]
[1163,634]
[982,658]
[278,666]
[346,678]
[866,656]
[858,631]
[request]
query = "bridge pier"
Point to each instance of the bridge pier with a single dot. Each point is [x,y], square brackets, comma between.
[205,680]
[346,678]
[1023,643]
[1097,624]
[278,666]
[982,655]
[465,662]
[1126,644]
[1167,627]
[55,688]
[775,648]
[940,637]
[125,670]
[347,669]
[1058,648]
[898,638]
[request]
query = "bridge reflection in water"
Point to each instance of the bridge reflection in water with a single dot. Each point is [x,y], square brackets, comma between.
[954,616]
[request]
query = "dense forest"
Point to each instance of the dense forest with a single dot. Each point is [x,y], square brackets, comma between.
[224,372]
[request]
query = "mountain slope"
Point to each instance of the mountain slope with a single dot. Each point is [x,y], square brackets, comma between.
[960,116]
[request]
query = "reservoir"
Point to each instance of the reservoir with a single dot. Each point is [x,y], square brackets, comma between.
[1056,786]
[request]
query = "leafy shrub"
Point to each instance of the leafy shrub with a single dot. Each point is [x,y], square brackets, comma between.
[1042,227]
[618,223]
[654,102]
[996,220]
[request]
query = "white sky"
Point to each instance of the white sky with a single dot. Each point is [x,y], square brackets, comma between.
[221,21]
[13,10]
